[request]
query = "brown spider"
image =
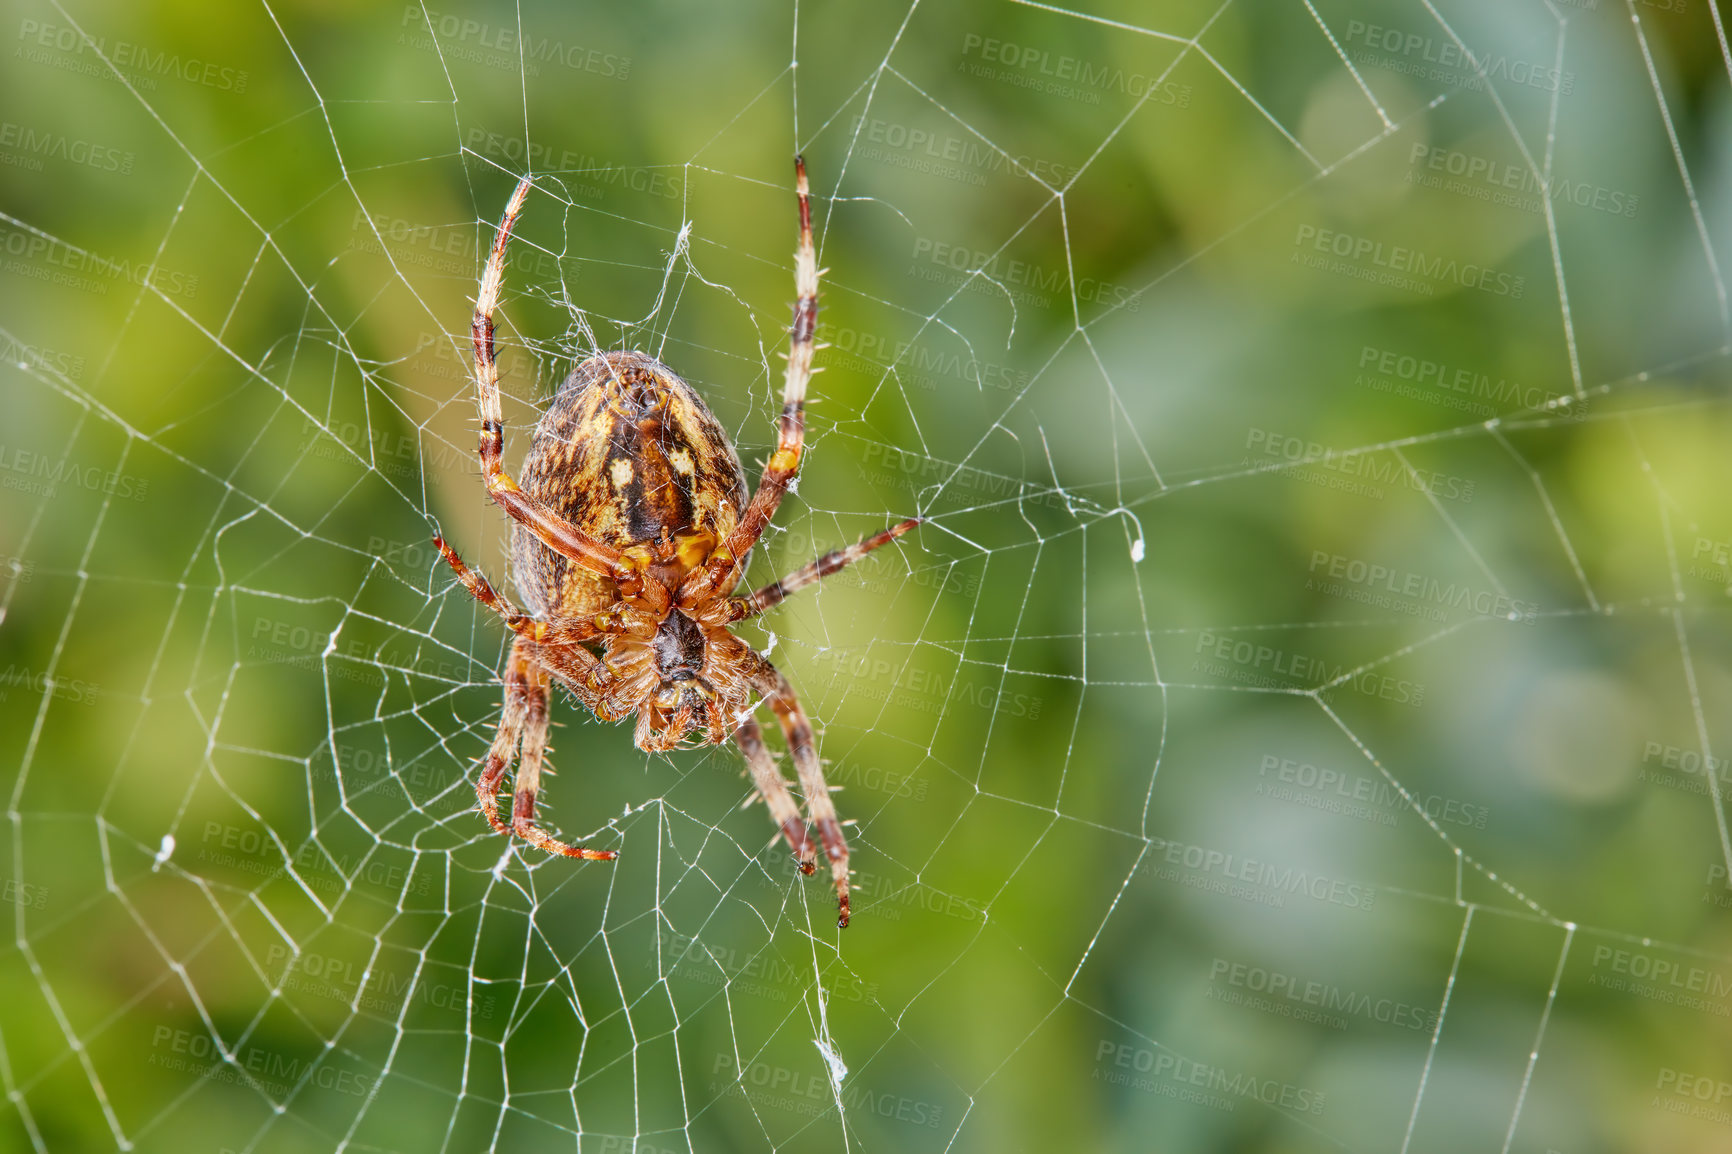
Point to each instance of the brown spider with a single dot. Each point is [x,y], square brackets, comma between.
[632,530]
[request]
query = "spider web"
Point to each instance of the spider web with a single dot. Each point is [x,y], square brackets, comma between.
[1293,726]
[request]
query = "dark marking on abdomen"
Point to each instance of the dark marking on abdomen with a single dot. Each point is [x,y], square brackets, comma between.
[656,498]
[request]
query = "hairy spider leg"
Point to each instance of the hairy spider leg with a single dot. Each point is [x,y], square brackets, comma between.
[505,741]
[529,766]
[524,718]
[520,623]
[773,594]
[773,788]
[482,590]
[553,530]
[768,681]
[722,568]
[526,691]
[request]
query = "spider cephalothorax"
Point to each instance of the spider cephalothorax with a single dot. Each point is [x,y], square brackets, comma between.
[632,528]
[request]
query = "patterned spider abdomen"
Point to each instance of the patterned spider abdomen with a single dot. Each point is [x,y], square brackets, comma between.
[630,454]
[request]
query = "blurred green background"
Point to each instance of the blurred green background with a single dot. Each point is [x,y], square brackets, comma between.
[1299,725]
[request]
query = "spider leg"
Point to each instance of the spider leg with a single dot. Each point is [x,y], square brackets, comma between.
[775,592]
[519,687]
[774,688]
[774,790]
[779,472]
[482,590]
[553,530]
[528,781]
[520,623]
[525,720]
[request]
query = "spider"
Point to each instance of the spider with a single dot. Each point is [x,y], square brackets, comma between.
[631,531]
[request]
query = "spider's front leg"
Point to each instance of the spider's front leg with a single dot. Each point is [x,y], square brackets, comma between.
[721,570]
[549,527]
[773,594]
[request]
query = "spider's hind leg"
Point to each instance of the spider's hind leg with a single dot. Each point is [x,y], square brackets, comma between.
[774,790]
[525,720]
[768,681]
[520,690]
[529,766]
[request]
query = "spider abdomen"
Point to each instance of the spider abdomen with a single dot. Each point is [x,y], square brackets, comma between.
[630,454]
